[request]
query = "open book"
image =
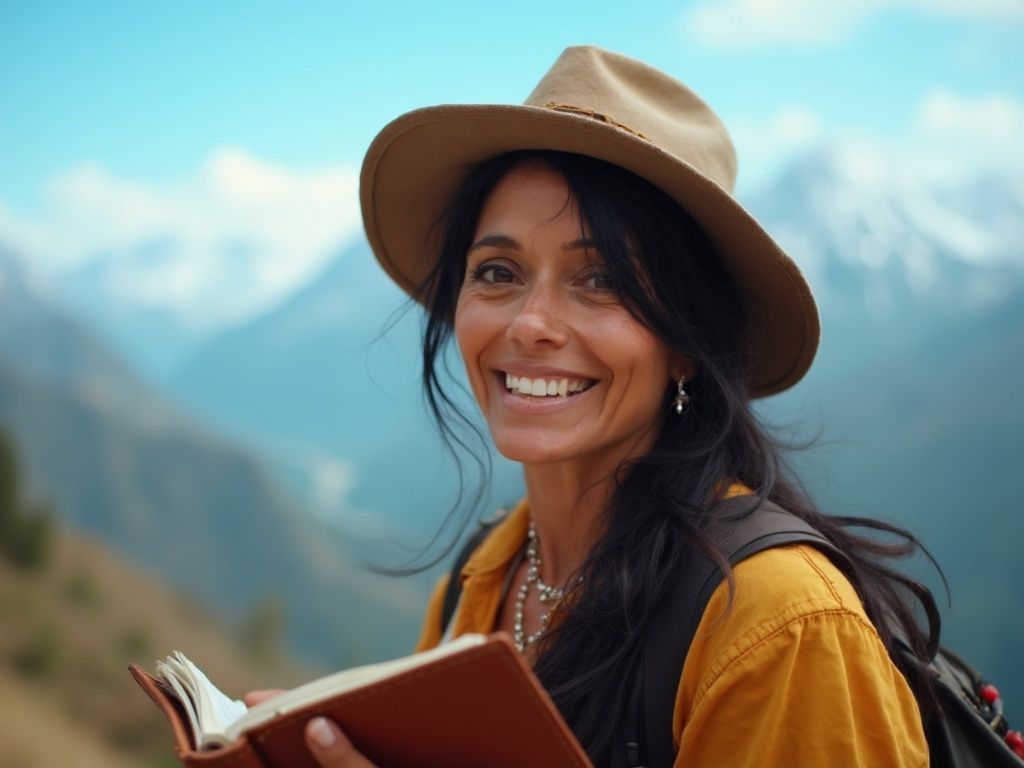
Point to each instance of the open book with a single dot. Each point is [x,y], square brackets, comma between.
[470,702]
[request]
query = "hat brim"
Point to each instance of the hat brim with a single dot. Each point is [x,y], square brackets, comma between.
[417,161]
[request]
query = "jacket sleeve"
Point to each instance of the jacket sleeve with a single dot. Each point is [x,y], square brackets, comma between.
[797,681]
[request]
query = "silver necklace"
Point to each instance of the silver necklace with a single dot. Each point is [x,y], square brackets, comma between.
[547,594]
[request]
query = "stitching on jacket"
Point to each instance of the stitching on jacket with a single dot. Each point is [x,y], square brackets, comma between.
[716,674]
[824,577]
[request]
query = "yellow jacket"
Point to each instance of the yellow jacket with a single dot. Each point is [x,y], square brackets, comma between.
[793,675]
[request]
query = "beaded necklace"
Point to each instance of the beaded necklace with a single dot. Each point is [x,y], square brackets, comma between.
[547,594]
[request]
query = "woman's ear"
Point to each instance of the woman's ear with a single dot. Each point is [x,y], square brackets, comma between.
[683,366]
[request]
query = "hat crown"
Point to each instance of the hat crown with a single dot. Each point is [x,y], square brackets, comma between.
[639,99]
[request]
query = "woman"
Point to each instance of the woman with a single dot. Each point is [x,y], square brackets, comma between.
[616,311]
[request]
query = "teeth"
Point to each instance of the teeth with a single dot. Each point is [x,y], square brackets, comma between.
[544,387]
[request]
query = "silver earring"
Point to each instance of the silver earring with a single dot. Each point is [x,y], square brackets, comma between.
[681,397]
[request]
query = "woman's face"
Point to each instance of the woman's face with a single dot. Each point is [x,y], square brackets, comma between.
[561,370]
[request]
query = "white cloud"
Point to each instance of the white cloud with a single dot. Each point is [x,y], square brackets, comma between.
[954,136]
[950,138]
[736,23]
[762,145]
[219,244]
[989,119]
[19,233]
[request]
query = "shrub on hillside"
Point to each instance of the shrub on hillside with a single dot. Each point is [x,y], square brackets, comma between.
[26,529]
[41,655]
[81,588]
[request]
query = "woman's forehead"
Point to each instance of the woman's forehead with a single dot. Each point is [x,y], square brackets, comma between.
[531,195]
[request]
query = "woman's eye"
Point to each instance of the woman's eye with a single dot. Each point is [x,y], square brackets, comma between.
[493,273]
[599,281]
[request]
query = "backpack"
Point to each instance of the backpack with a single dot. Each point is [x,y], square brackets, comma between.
[972,731]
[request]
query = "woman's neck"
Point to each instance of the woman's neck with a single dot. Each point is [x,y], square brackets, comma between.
[566,505]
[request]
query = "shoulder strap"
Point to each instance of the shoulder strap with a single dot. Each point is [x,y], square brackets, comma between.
[739,531]
[453,591]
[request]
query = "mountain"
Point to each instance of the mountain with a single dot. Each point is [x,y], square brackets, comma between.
[122,463]
[312,351]
[873,242]
[331,378]
[115,294]
[157,299]
[46,344]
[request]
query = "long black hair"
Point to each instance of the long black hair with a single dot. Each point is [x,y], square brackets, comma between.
[668,276]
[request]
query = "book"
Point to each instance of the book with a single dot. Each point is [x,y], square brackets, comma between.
[469,703]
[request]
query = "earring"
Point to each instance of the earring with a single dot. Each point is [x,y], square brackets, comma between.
[681,397]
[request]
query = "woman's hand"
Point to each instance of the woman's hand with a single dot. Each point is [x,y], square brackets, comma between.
[331,747]
[326,742]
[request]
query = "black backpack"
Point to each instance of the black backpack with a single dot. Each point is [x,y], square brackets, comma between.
[973,732]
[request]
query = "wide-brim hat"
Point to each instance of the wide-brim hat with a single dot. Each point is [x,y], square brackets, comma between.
[604,105]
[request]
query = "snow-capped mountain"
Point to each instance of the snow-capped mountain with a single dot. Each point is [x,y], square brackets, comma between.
[48,343]
[156,301]
[872,239]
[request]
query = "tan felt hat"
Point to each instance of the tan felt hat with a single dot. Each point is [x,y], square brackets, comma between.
[604,105]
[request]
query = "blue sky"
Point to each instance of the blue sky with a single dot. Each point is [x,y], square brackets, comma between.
[115,115]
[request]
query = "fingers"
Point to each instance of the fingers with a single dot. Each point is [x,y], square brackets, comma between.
[252,698]
[331,747]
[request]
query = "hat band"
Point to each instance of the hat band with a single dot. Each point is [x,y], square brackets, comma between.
[588,112]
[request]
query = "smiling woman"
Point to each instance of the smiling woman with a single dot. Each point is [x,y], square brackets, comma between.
[617,311]
[538,314]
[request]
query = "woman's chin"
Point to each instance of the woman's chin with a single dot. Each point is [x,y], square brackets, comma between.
[533,450]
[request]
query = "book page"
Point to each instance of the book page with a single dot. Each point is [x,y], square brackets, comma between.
[209,710]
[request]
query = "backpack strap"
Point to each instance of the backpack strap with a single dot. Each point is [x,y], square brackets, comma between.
[739,531]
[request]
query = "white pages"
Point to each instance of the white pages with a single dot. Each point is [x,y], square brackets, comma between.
[218,720]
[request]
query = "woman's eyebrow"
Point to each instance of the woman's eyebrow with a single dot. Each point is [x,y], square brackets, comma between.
[583,242]
[495,241]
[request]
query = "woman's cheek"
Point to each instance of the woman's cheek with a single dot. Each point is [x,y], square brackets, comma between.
[471,335]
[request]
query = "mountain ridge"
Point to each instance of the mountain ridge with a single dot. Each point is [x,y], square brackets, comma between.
[178,497]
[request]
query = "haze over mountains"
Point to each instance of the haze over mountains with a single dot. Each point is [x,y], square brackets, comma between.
[121,462]
[917,389]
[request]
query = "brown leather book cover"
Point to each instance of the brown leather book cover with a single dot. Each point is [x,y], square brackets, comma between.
[479,707]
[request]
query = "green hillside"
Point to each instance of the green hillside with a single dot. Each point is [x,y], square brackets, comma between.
[69,630]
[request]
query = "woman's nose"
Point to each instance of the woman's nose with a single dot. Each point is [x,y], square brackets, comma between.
[539,320]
